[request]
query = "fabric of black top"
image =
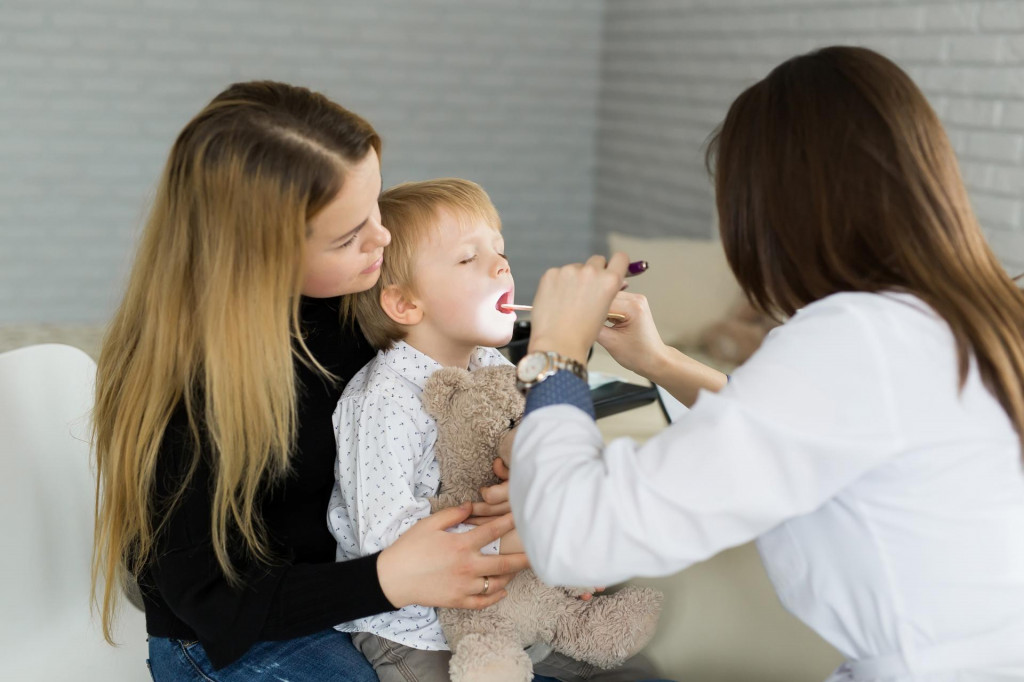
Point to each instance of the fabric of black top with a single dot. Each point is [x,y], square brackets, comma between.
[303,591]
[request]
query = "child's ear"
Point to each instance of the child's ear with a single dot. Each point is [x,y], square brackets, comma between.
[400,306]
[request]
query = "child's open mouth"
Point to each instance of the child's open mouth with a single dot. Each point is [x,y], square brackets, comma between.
[505,299]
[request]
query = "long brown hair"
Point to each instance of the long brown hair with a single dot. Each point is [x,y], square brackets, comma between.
[209,317]
[834,174]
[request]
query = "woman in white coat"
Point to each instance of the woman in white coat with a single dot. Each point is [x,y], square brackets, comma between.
[872,446]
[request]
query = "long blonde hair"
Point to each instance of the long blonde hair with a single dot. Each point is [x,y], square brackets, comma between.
[209,318]
[834,174]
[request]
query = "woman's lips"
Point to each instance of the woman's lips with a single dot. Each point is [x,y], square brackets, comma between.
[373,268]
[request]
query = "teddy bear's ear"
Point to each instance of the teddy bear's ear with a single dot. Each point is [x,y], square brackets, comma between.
[501,379]
[442,387]
[498,384]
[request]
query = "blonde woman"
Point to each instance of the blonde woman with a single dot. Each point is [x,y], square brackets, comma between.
[215,389]
[872,446]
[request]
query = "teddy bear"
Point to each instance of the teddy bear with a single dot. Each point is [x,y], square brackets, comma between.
[474,411]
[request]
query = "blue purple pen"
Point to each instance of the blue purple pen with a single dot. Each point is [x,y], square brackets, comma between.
[632,270]
[636,267]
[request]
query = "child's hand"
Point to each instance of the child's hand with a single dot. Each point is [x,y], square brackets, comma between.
[505,450]
[495,498]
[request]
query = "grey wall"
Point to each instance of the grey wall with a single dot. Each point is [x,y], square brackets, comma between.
[500,91]
[579,116]
[671,68]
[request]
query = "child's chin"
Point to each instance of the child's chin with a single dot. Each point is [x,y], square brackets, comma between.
[500,338]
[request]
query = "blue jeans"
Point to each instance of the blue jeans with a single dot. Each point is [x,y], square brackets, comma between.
[326,655]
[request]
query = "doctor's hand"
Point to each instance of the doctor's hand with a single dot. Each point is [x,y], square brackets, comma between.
[636,345]
[634,342]
[571,305]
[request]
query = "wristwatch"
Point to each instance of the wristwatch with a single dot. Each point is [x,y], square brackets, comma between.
[537,366]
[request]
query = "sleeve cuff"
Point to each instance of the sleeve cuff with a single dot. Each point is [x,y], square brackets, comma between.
[562,388]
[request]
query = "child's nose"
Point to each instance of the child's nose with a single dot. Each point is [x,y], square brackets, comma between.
[501,266]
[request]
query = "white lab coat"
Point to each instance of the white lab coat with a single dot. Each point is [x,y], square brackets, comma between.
[888,505]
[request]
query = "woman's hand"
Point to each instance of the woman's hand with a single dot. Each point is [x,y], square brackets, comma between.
[428,565]
[571,305]
[634,342]
[636,345]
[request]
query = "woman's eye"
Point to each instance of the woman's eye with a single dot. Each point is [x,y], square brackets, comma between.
[348,243]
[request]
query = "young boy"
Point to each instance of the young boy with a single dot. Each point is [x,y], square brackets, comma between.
[437,304]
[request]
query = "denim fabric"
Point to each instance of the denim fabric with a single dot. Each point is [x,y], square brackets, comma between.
[327,655]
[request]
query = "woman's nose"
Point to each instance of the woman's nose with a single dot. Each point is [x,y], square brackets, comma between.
[379,235]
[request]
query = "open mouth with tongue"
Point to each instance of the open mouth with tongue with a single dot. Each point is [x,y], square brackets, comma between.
[505,299]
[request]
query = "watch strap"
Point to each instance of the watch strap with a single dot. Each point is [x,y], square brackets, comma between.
[554,362]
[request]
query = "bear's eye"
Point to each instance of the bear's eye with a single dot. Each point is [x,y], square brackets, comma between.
[511,424]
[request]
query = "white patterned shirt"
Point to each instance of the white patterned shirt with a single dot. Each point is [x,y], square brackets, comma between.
[385,473]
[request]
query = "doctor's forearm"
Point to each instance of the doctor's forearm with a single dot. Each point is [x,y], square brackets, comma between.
[682,376]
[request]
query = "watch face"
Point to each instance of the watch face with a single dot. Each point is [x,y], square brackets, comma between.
[531,366]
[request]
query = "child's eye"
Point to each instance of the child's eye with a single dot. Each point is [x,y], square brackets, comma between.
[469,259]
[503,256]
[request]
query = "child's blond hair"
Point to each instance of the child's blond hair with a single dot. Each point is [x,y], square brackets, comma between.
[412,213]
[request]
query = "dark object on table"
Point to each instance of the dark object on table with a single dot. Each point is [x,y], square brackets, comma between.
[619,396]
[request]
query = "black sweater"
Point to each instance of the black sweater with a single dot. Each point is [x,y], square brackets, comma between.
[303,591]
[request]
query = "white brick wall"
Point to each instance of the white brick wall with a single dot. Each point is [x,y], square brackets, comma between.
[94,91]
[579,116]
[672,67]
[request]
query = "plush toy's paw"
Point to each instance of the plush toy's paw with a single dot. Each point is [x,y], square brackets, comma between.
[609,628]
[480,659]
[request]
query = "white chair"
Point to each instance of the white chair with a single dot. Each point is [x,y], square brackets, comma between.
[47,486]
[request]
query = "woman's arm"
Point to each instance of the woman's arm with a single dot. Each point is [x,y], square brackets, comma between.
[186,590]
[187,593]
[810,414]
[568,317]
[636,345]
